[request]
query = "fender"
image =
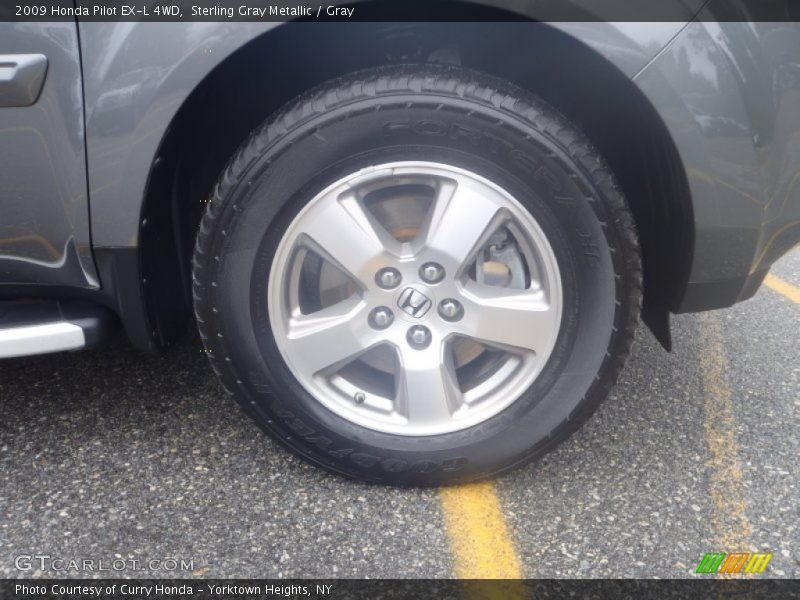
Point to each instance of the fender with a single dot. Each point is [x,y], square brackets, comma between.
[738,142]
[133,93]
[130,103]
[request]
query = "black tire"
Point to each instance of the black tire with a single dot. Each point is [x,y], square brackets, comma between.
[402,113]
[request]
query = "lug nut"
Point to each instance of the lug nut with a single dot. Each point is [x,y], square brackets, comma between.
[450,309]
[388,278]
[381,317]
[431,272]
[359,398]
[419,337]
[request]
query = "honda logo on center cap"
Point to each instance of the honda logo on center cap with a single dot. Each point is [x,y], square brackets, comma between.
[414,302]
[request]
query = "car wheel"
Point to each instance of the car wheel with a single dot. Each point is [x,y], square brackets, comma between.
[417,275]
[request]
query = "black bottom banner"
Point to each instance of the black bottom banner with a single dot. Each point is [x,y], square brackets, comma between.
[601,589]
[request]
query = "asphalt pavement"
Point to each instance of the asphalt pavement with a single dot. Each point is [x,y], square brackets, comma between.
[112,455]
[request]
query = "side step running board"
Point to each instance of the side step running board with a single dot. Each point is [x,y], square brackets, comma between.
[40,327]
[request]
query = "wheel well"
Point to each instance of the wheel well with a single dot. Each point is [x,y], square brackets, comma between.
[281,64]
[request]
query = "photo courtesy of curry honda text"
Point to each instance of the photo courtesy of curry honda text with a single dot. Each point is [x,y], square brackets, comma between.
[416,253]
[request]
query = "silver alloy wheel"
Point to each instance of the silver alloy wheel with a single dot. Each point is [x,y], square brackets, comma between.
[475,312]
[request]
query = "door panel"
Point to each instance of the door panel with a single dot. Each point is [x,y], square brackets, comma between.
[44,213]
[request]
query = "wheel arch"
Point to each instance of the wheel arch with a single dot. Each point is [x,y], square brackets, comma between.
[182,143]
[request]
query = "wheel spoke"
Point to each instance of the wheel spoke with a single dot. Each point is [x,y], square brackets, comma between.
[461,220]
[513,318]
[407,234]
[331,337]
[427,390]
[345,235]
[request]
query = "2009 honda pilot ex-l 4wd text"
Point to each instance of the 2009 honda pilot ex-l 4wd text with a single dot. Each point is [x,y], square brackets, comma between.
[416,253]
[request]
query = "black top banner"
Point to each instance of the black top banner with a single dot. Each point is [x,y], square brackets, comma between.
[391,589]
[399,10]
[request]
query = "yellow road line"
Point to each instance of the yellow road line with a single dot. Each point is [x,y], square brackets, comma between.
[478,534]
[729,504]
[783,287]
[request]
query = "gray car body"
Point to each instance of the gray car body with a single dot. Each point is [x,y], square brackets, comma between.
[77,163]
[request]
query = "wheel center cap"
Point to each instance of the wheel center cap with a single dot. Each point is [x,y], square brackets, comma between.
[414,303]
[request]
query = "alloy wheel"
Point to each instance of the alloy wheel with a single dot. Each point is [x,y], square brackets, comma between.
[415,298]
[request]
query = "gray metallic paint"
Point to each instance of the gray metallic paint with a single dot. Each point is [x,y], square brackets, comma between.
[137,75]
[728,93]
[21,78]
[44,218]
[125,123]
